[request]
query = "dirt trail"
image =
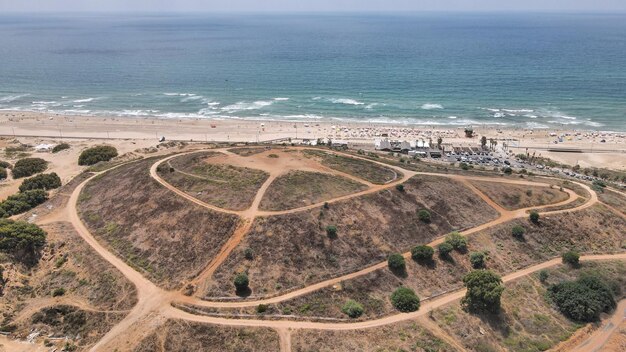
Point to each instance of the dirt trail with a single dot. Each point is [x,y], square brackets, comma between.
[154,304]
[426,307]
[601,335]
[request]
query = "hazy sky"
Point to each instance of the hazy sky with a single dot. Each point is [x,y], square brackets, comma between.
[313,5]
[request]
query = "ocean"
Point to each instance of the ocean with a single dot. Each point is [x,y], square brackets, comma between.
[443,69]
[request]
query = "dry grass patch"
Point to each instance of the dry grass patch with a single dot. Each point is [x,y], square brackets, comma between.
[183,336]
[406,336]
[613,199]
[301,188]
[248,151]
[160,234]
[222,185]
[512,197]
[293,250]
[366,170]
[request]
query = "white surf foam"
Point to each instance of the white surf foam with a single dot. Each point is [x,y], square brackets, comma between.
[281,99]
[431,106]
[242,106]
[10,98]
[345,101]
[86,100]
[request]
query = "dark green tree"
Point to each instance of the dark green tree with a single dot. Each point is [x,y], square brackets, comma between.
[484,289]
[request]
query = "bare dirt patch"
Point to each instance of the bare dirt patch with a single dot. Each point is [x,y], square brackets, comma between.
[222,185]
[182,336]
[512,197]
[366,170]
[301,188]
[156,231]
[292,250]
[406,336]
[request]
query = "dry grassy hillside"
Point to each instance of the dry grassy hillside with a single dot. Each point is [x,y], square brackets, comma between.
[164,236]
[293,250]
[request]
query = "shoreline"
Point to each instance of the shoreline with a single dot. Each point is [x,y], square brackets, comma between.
[597,148]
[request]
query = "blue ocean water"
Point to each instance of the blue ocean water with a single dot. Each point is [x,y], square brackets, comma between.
[527,70]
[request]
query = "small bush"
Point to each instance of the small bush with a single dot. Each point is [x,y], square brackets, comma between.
[400,188]
[396,263]
[248,254]
[3,173]
[58,292]
[507,170]
[28,167]
[518,232]
[5,164]
[352,308]
[543,275]
[477,259]
[534,217]
[424,215]
[41,181]
[331,231]
[444,250]
[464,166]
[59,147]
[261,308]
[457,241]
[571,257]
[97,154]
[422,254]
[405,300]
[241,282]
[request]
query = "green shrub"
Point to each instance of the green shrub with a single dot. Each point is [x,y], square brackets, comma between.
[422,254]
[396,263]
[21,239]
[5,164]
[477,259]
[464,166]
[405,300]
[41,181]
[331,231]
[22,202]
[400,188]
[58,292]
[57,148]
[484,289]
[507,170]
[457,241]
[97,154]
[571,257]
[3,173]
[28,167]
[584,299]
[534,216]
[518,232]
[248,254]
[444,250]
[424,215]
[241,282]
[543,275]
[352,308]
[261,308]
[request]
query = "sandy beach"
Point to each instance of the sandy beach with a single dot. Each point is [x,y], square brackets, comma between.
[599,149]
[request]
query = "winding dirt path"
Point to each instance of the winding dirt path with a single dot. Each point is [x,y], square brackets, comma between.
[154,305]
